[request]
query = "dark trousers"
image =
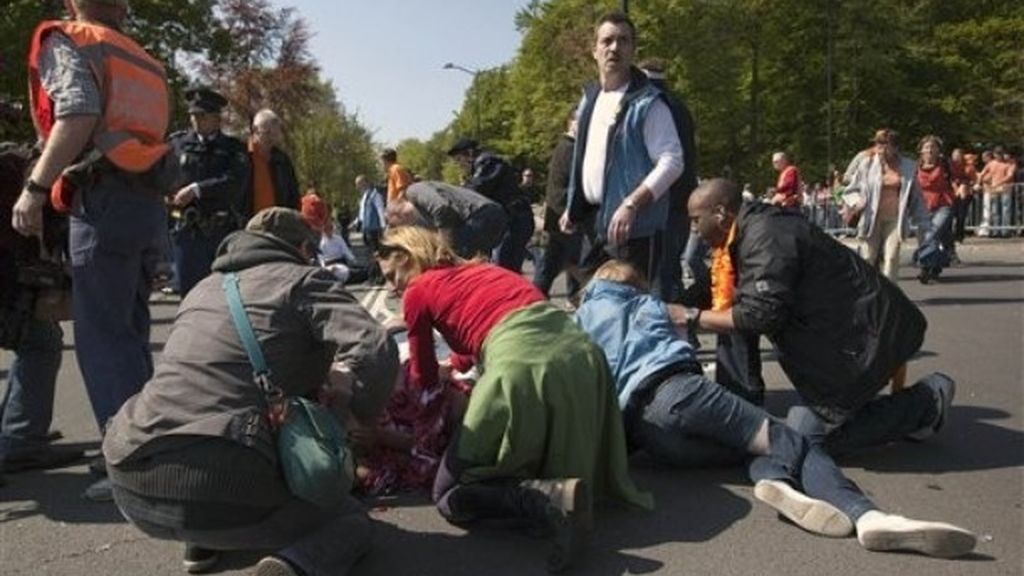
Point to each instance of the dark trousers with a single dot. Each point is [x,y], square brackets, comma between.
[690,421]
[320,541]
[738,365]
[961,208]
[27,408]
[511,250]
[670,278]
[885,419]
[372,240]
[193,251]
[116,229]
[644,254]
[561,254]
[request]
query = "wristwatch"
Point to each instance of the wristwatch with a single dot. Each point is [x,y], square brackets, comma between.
[630,204]
[36,188]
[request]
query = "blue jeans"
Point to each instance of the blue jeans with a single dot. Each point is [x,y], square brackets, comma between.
[27,408]
[1000,216]
[563,250]
[691,421]
[116,229]
[511,251]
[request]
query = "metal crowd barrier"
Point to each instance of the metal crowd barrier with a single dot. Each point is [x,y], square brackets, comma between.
[825,213]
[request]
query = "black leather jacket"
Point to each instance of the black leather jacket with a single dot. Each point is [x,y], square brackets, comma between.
[840,328]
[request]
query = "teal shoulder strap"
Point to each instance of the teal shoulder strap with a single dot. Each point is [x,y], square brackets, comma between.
[244,327]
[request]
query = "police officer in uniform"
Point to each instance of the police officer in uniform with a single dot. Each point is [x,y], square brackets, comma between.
[213,167]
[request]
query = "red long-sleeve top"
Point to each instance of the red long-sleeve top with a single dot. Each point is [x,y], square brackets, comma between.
[463,303]
[788,186]
[935,186]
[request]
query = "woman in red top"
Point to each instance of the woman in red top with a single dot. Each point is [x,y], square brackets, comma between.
[935,180]
[542,432]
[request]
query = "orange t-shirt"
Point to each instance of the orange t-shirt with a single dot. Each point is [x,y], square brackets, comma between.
[398,180]
[263,193]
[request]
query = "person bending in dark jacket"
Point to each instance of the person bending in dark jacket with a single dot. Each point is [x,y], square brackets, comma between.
[193,457]
[840,328]
[490,175]
[680,418]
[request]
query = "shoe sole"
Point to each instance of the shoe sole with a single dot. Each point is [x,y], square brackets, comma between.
[937,541]
[816,516]
[271,566]
[200,566]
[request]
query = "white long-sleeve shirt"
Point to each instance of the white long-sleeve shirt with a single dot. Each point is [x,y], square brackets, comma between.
[660,136]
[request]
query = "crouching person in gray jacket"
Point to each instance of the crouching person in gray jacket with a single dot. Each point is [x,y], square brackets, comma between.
[473,224]
[192,457]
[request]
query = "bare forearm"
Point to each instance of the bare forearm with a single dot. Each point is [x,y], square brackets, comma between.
[717,321]
[68,139]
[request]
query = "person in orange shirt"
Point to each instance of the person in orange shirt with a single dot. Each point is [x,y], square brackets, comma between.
[398,177]
[272,180]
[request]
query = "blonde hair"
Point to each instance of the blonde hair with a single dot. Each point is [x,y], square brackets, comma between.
[426,248]
[622,272]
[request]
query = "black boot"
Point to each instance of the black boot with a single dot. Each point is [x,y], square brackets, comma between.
[563,507]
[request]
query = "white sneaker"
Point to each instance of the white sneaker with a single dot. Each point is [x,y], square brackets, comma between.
[811,514]
[879,531]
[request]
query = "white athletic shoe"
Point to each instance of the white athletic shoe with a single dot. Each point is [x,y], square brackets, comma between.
[880,531]
[811,514]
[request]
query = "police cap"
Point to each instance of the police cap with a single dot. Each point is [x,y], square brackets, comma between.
[203,99]
[463,145]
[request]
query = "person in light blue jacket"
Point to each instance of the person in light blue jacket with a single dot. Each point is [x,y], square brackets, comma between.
[681,418]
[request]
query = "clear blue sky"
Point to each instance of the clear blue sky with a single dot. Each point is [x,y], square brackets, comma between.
[385,57]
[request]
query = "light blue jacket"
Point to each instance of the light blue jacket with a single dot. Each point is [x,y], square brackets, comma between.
[636,333]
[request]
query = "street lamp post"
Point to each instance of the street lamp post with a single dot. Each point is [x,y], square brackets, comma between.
[476,91]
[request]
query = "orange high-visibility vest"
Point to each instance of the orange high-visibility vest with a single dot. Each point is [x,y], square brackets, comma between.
[133,88]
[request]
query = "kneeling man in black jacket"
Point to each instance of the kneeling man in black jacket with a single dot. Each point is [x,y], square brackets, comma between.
[840,328]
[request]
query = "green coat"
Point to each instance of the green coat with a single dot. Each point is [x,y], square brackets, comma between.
[545,407]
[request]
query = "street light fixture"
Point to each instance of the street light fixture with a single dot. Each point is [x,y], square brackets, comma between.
[476,92]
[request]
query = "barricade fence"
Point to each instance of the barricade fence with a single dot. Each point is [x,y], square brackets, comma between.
[984,218]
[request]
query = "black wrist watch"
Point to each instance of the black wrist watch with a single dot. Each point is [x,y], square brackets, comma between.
[36,188]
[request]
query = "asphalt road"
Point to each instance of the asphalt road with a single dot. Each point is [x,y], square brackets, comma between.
[706,521]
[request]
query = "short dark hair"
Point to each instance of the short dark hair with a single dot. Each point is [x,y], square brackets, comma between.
[389,155]
[616,17]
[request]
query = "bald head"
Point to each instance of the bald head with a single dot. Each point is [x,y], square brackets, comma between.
[719,192]
[713,207]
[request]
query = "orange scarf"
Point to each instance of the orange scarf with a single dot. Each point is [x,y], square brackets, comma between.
[723,274]
[263,193]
